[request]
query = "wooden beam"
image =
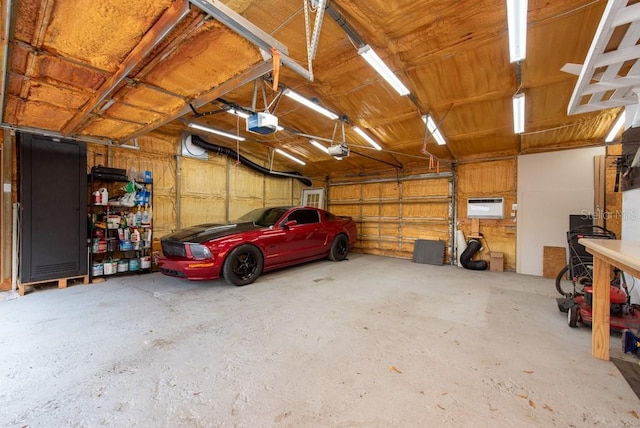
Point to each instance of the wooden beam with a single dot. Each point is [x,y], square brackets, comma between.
[242,79]
[169,19]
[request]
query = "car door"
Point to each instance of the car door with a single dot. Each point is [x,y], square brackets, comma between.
[304,235]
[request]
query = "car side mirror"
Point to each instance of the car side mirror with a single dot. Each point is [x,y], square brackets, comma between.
[289,223]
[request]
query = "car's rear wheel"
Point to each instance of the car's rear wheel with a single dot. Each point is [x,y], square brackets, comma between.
[243,265]
[339,248]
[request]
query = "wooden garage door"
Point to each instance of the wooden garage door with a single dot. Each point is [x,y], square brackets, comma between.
[393,213]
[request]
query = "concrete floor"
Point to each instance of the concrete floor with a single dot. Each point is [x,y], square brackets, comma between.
[369,342]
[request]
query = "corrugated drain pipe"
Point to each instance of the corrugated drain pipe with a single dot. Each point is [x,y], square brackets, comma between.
[197,141]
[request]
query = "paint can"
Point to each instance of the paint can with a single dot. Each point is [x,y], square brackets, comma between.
[123,265]
[145,262]
[110,267]
[134,264]
[97,269]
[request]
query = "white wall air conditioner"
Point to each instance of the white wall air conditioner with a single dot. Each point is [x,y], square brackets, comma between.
[485,208]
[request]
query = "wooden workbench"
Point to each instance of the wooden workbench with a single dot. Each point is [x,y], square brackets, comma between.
[624,255]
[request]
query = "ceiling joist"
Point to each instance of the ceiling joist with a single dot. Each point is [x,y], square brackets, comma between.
[172,16]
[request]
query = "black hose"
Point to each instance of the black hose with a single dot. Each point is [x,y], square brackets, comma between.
[197,141]
[473,246]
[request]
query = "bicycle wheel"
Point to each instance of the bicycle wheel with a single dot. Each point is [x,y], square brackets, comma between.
[562,284]
[576,280]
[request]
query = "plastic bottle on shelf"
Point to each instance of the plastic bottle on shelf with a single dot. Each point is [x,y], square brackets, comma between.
[147,195]
[145,216]
[138,220]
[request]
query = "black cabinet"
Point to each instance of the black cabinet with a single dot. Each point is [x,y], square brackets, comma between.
[120,221]
[53,233]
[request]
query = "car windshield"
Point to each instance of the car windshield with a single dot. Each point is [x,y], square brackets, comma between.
[263,216]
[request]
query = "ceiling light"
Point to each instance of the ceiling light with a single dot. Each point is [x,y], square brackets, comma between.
[239,113]
[518,113]
[215,131]
[374,61]
[617,126]
[293,158]
[367,138]
[308,103]
[320,146]
[517,23]
[431,126]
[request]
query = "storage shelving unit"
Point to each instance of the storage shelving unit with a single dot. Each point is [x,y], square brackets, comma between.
[119,232]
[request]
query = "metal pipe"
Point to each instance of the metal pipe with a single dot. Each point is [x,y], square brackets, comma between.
[249,31]
[351,32]
[5,59]
[178,192]
[15,246]
[387,180]
[452,219]
[6,232]
[54,134]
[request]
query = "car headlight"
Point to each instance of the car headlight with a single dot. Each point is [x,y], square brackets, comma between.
[199,252]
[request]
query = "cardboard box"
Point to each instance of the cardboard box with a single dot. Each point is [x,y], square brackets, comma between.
[496,262]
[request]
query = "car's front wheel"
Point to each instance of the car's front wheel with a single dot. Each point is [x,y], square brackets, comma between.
[339,248]
[243,265]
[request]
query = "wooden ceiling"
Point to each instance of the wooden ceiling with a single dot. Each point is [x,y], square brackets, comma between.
[113,70]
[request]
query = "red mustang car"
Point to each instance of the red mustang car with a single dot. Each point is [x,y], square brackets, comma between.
[259,241]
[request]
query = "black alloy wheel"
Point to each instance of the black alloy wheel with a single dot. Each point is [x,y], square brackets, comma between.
[339,248]
[243,265]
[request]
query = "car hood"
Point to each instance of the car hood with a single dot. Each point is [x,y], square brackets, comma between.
[206,232]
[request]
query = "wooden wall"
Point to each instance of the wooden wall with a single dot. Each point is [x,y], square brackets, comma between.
[490,179]
[393,212]
[188,191]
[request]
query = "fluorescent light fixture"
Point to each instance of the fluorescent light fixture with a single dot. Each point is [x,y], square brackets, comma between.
[367,138]
[617,126]
[215,131]
[518,113]
[239,113]
[308,103]
[293,158]
[431,126]
[374,61]
[517,23]
[320,146]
